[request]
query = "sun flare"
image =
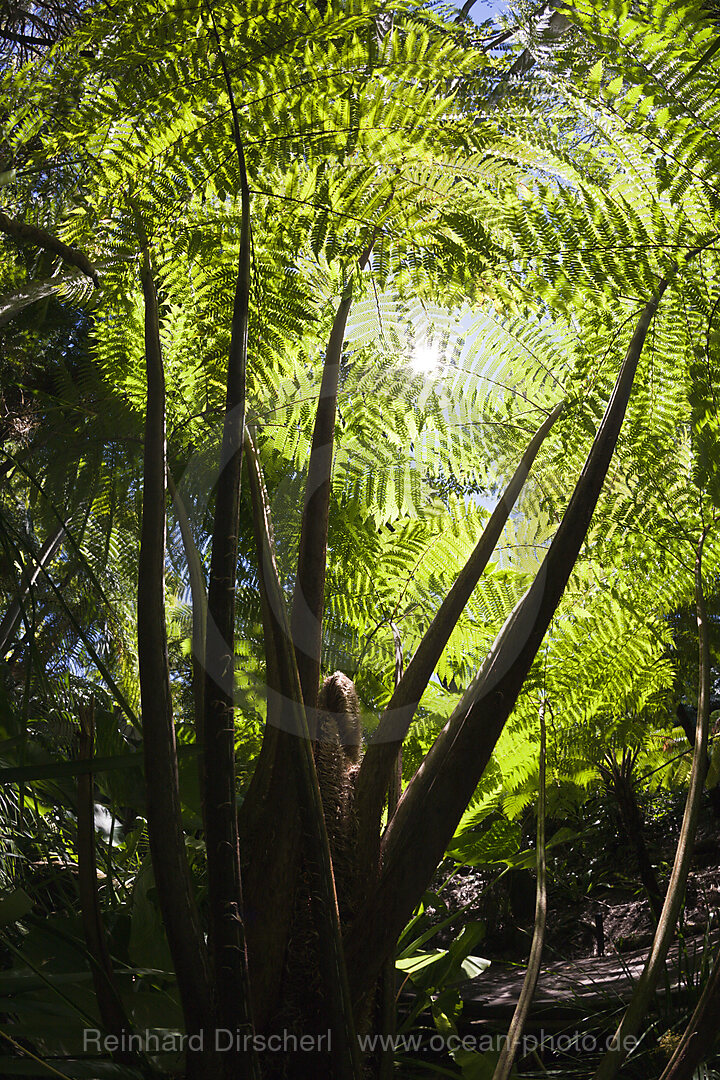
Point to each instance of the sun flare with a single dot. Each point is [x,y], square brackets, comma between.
[425,357]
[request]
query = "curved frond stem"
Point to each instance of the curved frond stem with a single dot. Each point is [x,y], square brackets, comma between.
[13,615]
[102,667]
[13,303]
[69,534]
[381,754]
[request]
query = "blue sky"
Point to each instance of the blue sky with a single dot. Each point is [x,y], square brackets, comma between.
[485,9]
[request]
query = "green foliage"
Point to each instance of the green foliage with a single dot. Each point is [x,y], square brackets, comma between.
[518,236]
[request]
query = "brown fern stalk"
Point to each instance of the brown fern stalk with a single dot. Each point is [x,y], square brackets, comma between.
[225,905]
[167,841]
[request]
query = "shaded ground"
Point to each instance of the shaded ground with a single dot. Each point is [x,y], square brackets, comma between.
[584,987]
[576,981]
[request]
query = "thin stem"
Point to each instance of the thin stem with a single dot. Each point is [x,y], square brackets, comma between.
[504,1066]
[636,1011]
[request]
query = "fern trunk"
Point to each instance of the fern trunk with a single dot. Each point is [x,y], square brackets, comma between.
[314,993]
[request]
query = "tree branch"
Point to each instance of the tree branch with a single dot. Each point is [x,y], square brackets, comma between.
[31,234]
